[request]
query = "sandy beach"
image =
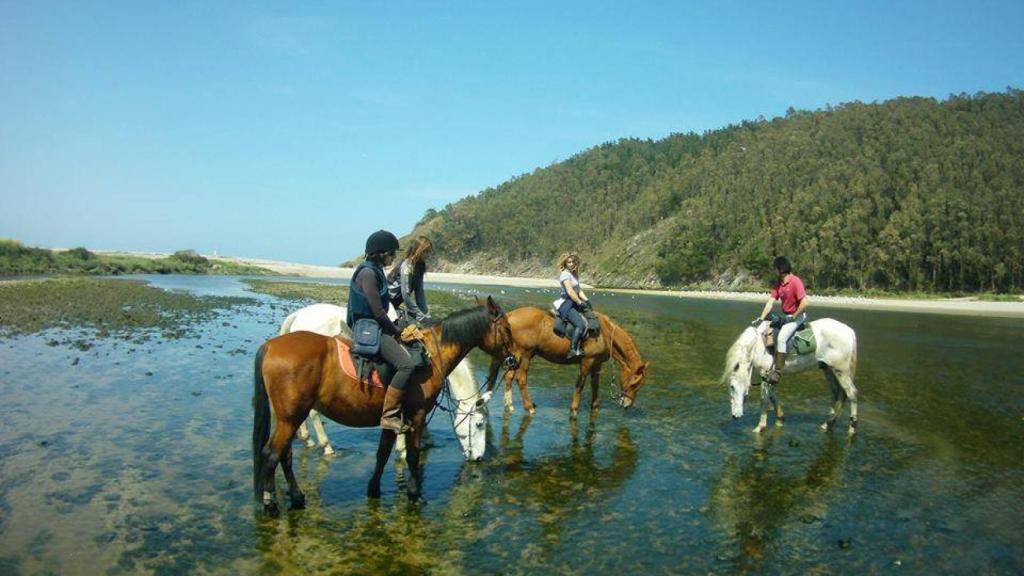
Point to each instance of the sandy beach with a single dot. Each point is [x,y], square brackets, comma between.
[968,306]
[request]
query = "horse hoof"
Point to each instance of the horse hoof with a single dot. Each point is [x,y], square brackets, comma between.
[852,431]
[779,423]
[328,451]
[533,411]
[824,427]
[373,492]
[310,443]
[299,502]
[272,510]
[758,429]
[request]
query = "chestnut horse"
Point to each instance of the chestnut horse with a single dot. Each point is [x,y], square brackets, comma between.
[300,371]
[533,333]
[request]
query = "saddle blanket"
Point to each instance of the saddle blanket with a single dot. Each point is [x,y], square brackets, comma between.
[348,365]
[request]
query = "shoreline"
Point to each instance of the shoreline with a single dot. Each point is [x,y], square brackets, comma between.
[950,306]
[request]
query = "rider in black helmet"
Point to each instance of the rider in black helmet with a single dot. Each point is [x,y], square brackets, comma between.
[368,298]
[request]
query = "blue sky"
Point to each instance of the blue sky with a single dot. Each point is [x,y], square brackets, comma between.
[293,130]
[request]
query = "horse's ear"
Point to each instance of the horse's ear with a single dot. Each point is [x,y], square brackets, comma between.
[493,307]
[478,301]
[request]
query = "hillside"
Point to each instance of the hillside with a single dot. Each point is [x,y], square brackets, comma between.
[911,194]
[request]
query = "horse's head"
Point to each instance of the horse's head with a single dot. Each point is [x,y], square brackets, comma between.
[471,429]
[738,369]
[630,381]
[470,411]
[500,336]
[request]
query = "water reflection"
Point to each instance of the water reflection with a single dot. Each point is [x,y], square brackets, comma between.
[757,497]
[135,455]
[558,491]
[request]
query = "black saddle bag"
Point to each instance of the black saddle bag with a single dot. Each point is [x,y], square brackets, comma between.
[366,334]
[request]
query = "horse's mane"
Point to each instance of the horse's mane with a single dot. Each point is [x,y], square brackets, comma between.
[465,326]
[738,349]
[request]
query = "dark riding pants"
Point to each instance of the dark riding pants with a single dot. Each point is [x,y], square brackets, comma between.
[398,358]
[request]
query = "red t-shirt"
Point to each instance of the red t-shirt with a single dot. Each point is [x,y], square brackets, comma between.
[791,292]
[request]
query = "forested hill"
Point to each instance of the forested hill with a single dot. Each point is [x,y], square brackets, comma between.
[909,194]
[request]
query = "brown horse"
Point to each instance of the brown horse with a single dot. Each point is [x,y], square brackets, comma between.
[300,371]
[533,333]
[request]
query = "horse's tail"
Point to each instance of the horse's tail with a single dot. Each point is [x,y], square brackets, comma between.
[260,424]
[286,326]
[853,358]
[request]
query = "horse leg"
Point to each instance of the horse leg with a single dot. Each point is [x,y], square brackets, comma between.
[850,392]
[387,442]
[780,417]
[837,398]
[304,435]
[400,448]
[295,495]
[522,375]
[279,442]
[414,482]
[767,391]
[577,393]
[509,376]
[595,388]
[322,440]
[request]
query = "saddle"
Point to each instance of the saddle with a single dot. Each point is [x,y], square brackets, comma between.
[801,342]
[563,328]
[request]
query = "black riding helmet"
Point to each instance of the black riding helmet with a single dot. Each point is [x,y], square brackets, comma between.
[381,241]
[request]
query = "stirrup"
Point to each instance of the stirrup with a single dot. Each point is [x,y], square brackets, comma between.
[402,428]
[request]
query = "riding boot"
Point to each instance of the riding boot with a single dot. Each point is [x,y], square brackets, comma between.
[576,349]
[391,419]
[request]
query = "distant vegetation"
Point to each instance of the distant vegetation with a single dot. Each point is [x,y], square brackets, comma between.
[16,259]
[909,195]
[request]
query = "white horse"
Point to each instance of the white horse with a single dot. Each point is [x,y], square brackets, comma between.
[469,415]
[836,355]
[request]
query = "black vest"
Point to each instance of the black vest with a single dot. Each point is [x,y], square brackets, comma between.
[358,307]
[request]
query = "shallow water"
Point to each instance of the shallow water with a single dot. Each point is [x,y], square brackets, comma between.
[136,459]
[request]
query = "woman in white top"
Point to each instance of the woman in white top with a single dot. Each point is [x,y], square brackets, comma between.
[573,301]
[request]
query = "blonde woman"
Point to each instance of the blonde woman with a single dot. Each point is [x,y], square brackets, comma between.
[405,281]
[573,301]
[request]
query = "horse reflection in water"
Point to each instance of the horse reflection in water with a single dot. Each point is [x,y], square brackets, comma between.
[758,500]
[374,538]
[561,487]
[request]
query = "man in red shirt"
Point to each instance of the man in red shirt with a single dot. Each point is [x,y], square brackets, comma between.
[789,290]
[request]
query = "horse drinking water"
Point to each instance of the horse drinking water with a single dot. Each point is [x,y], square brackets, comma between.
[533,334]
[469,407]
[835,355]
[297,372]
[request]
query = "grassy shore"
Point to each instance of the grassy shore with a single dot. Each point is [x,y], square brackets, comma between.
[108,307]
[441,302]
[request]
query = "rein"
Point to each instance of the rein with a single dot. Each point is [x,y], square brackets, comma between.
[617,393]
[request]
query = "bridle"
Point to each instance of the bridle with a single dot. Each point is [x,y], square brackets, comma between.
[453,404]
